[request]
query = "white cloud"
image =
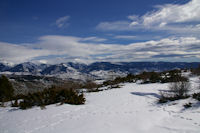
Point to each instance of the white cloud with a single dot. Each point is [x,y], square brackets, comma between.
[116,25]
[16,53]
[133,17]
[125,37]
[166,14]
[94,39]
[62,21]
[174,18]
[56,49]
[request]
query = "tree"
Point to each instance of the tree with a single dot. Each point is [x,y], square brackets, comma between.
[6,89]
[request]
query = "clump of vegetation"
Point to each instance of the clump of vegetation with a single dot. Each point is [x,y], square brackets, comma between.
[94,90]
[188,105]
[91,86]
[88,85]
[180,88]
[196,96]
[172,76]
[114,83]
[6,89]
[111,83]
[177,90]
[51,96]
[148,77]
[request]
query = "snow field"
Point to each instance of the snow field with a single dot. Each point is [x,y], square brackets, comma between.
[130,109]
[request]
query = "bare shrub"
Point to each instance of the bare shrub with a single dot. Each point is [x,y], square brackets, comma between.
[180,88]
[164,97]
[177,90]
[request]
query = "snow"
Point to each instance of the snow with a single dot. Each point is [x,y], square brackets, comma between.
[107,75]
[130,109]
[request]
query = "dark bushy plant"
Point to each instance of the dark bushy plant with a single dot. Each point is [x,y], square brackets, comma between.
[196,96]
[172,76]
[51,96]
[188,105]
[150,77]
[6,89]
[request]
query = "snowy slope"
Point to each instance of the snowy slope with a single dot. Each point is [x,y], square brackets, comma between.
[130,109]
[107,75]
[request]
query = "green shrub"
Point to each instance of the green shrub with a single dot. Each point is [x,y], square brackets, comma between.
[149,77]
[51,96]
[172,76]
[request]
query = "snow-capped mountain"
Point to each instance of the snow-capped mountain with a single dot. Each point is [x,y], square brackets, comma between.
[95,70]
[57,69]
[65,71]
[3,67]
[25,67]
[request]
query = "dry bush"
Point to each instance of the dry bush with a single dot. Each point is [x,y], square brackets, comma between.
[179,89]
[90,85]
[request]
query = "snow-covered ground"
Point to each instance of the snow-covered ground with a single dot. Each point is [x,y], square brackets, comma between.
[130,109]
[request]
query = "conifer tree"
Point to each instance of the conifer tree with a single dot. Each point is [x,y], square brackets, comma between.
[6,89]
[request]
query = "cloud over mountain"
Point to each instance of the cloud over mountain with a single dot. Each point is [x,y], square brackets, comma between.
[55,49]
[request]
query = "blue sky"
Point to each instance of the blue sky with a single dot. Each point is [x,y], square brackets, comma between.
[54,31]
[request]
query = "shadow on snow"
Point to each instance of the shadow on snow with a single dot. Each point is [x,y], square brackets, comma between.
[145,94]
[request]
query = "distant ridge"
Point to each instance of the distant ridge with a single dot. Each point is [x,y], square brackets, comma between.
[70,69]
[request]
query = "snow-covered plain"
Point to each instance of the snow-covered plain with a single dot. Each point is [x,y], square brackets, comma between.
[130,109]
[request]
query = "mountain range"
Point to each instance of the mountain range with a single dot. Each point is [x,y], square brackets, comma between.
[97,69]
